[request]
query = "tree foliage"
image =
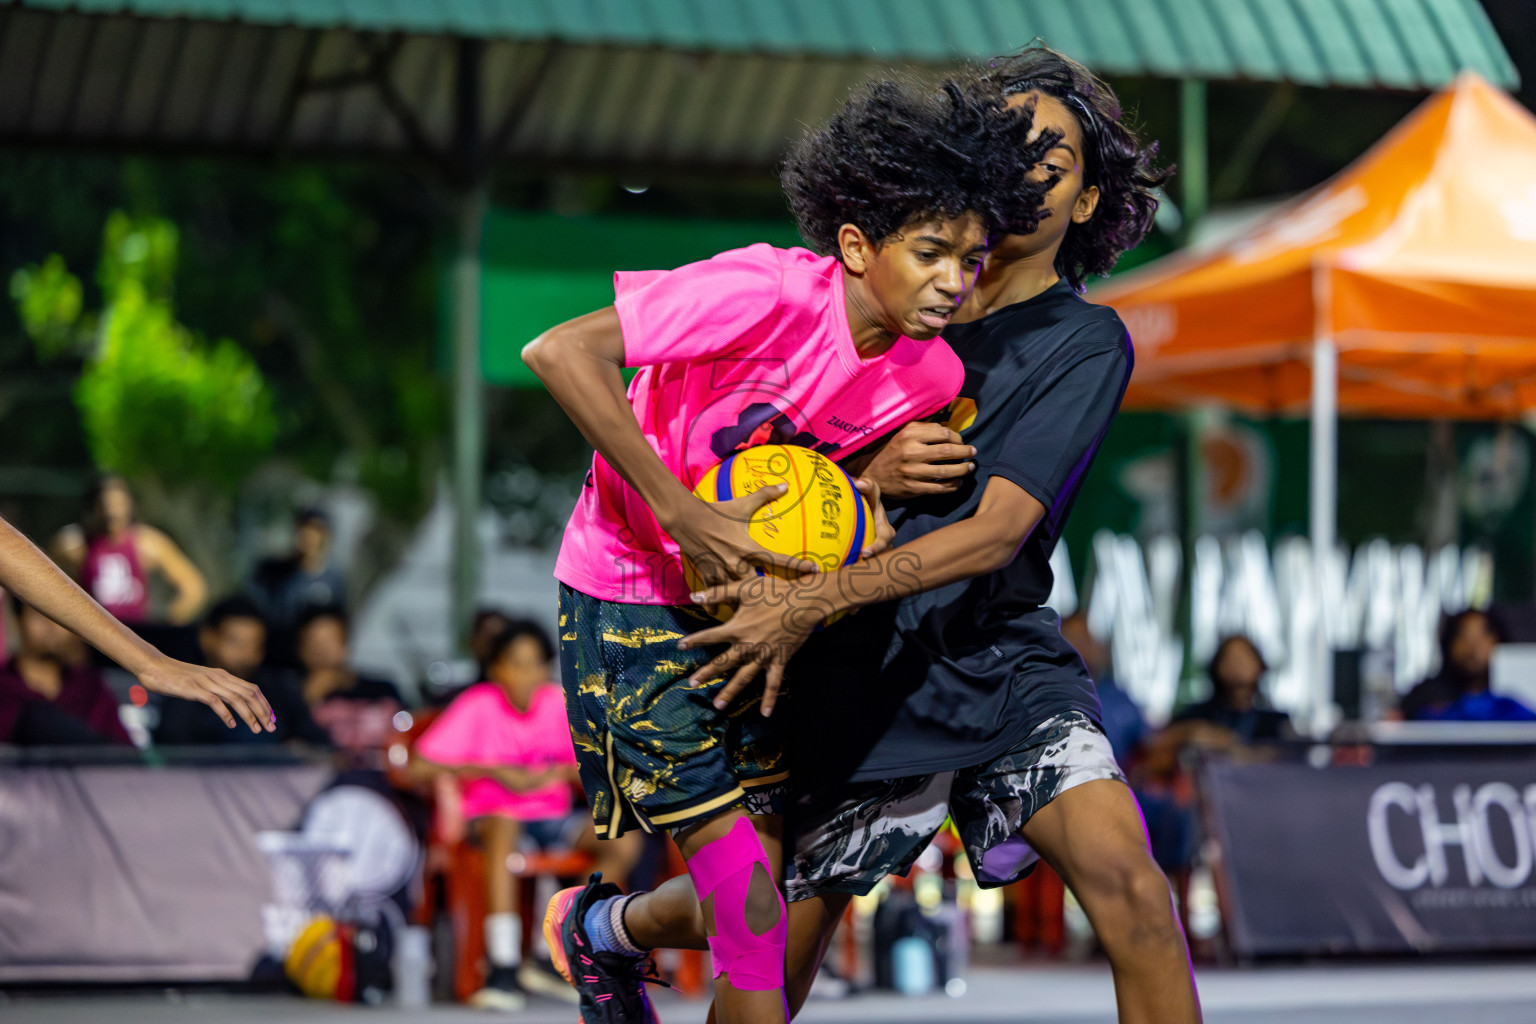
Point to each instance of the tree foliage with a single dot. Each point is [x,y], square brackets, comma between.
[325,275]
[156,400]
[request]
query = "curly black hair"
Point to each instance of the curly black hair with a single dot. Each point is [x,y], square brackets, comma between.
[1117,160]
[897,153]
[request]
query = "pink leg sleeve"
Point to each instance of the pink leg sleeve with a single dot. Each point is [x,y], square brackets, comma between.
[723,869]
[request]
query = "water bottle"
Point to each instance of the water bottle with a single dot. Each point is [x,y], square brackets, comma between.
[912,965]
[413,967]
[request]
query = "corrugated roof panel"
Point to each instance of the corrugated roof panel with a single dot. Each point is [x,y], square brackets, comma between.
[153,76]
[1378,40]
[692,135]
[1501,66]
[639,112]
[736,118]
[434,15]
[20,41]
[874,27]
[924,30]
[101,75]
[283,68]
[1013,26]
[1299,59]
[668,25]
[1152,33]
[332,53]
[1470,36]
[1205,52]
[1421,40]
[1113,45]
[1062,29]
[1247,40]
[968,31]
[775,109]
[627,19]
[1335,41]
[233,82]
[777,31]
[727,24]
[581,69]
[1130,39]
[182,113]
[270,10]
[65,47]
[625,77]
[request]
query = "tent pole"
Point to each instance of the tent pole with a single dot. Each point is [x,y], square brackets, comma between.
[471,190]
[1324,510]
[468,406]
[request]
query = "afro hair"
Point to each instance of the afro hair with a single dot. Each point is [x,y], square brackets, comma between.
[897,153]
[1118,162]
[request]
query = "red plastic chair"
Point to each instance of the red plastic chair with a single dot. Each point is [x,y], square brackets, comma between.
[453,874]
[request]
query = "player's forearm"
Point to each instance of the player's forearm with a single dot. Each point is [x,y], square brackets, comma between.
[29,574]
[576,362]
[964,550]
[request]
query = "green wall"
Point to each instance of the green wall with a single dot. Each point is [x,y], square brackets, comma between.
[541,269]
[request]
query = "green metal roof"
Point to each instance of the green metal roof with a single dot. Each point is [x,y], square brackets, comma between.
[1407,44]
[644,85]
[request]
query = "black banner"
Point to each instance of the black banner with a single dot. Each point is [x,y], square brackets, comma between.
[1405,856]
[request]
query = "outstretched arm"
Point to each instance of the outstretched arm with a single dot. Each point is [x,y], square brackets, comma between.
[27,572]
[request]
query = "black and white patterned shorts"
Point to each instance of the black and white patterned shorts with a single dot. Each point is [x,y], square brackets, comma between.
[881,826]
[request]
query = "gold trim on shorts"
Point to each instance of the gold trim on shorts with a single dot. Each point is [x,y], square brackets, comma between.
[722,800]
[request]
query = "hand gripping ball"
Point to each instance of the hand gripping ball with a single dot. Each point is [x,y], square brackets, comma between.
[821,517]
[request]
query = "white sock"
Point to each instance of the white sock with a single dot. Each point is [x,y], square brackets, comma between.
[504,939]
[621,935]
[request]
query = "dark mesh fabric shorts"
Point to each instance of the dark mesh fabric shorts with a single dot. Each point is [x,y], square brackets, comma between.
[653,751]
[872,829]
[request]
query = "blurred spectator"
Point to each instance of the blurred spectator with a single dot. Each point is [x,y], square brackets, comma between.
[1123,722]
[1233,717]
[485,632]
[50,693]
[233,637]
[1459,692]
[354,710]
[286,587]
[1236,713]
[113,556]
[507,745]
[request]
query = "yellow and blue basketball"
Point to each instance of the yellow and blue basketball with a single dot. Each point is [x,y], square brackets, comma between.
[821,517]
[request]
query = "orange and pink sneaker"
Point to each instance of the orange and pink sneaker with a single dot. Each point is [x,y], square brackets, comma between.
[611,985]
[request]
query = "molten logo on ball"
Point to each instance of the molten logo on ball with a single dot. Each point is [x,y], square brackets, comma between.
[821,517]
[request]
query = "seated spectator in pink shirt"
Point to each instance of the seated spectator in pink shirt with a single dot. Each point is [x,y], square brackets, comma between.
[50,693]
[354,710]
[507,744]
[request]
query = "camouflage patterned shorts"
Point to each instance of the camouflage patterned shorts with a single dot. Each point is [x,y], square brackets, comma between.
[653,751]
[876,828]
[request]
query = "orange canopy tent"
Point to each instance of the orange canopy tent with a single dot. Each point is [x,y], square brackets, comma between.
[1404,286]
[1418,263]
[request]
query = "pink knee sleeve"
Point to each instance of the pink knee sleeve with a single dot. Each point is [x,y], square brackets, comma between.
[723,869]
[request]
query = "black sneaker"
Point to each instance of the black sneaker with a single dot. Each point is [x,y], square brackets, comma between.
[611,985]
[501,991]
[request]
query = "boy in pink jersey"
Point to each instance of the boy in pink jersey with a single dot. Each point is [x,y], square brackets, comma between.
[755,345]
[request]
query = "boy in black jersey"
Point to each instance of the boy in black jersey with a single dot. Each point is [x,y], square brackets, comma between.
[961,698]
